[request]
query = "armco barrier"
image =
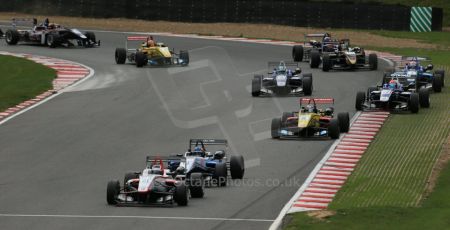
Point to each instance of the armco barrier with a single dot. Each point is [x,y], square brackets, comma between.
[281,12]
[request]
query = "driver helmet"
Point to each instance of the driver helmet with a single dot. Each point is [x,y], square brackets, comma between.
[298,70]
[412,64]
[310,108]
[326,39]
[198,151]
[156,170]
[180,170]
[281,68]
[51,26]
[392,84]
[329,111]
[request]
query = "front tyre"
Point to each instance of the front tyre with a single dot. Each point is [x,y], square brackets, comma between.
[112,191]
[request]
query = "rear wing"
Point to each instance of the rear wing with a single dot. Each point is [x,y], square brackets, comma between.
[23,22]
[162,160]
[316,101]
[135,39]
[407,59]
[194,142]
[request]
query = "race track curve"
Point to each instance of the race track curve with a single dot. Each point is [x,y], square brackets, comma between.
[56,159]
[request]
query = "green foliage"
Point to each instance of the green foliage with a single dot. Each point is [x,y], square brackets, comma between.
[21,80]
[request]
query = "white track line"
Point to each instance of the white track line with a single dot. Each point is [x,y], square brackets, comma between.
[132,217]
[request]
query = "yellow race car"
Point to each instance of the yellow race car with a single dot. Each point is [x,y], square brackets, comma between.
[150,53]
[310,121]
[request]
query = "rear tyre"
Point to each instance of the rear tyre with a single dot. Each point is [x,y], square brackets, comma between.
[424,97]
[237,167]
[120,55]
[314,59]
[437,83]
[181,195]
[326,63]
[275,128]
[196,185]
[256,85]
[221,174]
[333,129]
[12,37]
[442,73]
[307,84]
[297,53]
[344,122]
[360,99]
[414,103]
[184,55]
[373,61]
[141,59]
[112,191]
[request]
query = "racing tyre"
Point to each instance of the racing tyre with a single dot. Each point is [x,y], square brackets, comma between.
[90,36]
[237,166]
[112,191]
[297,53]
[140,59]
[344,122]
[52,40]
[12,37]
[326,63]
[256,85]
[360,99]
[221,174]
[424,98]
[181,195]
[333,129]
[129,176]
[314,59]
[373,61]
[184,55]
[196,185]
[414,103]
[442,73]
[437,83]
[120,55]
[275,128]
[370,90]
[307,84]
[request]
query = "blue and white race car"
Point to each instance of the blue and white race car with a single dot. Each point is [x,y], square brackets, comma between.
[413,75]
[213,166]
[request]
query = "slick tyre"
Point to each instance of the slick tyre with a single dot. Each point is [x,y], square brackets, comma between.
[196,185]
[373,61]
[314,60]
[424,98]
[237,167]
[256,85]
[344,122]
[275,128]
[112,191]
[220,174]
[360,99]
[414,103]
[141,59]
[333,129]
[326,63]
[181,194]
[120,55]
[297,53]
[437,83]
[12,37]
[307,84]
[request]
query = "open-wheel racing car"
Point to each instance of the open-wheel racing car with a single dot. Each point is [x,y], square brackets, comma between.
[413,74]
[150,53]
[345,57]
[310,121]
[284,78]
[393,97]
[214,167]
[154,186]
[50,34]
[313,43]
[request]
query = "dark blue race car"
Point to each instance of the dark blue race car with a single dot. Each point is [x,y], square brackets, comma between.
[213,166]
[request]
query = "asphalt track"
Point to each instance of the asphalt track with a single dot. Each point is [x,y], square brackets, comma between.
[56,159]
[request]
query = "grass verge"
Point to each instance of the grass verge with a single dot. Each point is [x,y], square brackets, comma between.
[21,80]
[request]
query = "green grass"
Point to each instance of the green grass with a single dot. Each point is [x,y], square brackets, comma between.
[440,38]
[21,80]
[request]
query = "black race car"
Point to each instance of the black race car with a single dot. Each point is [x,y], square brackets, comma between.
[51,35]
[284,78]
